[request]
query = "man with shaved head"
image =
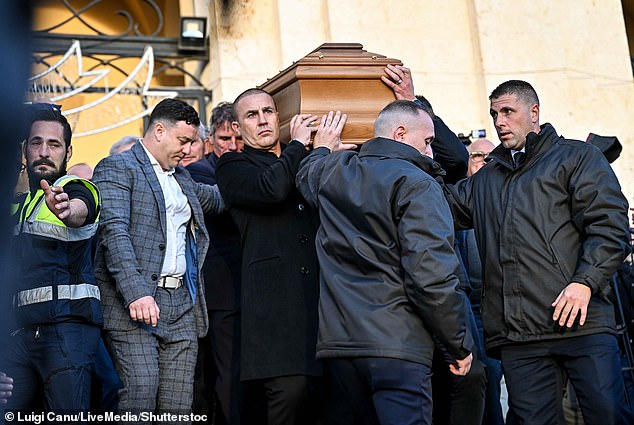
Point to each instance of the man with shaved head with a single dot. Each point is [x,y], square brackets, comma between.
[388,268]
[279,265]
[478,153]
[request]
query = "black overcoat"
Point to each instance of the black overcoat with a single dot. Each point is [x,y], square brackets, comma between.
[280,274]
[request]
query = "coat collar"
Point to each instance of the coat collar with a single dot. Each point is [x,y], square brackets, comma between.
[388,148]
[536,144]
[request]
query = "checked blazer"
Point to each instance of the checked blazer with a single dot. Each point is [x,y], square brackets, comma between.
[132,234]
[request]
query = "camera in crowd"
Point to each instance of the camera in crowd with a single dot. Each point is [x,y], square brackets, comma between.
[473,134]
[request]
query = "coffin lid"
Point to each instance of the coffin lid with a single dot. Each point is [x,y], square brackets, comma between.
[332,61]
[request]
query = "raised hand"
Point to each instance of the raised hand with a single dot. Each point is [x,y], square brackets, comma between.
[72,212]
[329,132]
[301,127]
[400,81]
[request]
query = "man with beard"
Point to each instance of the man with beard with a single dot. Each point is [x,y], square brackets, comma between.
[55,298]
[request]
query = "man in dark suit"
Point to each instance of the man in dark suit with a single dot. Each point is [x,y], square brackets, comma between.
[151,250]
[220,349]
[279,267]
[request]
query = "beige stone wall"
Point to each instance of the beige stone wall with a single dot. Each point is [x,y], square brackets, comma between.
[574,52]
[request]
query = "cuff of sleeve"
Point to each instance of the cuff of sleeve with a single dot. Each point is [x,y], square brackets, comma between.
[136,291]
[322,150]
[591,277]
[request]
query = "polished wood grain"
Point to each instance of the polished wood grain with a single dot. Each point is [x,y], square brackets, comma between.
[335,76]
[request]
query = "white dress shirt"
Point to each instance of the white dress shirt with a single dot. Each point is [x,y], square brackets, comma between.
[178,213]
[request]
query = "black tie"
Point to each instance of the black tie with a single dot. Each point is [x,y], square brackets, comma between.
[518,158]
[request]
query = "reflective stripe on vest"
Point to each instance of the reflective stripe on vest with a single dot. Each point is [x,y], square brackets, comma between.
[64,292]
[41,221]
[54,231]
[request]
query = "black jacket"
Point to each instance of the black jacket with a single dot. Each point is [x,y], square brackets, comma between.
[449,152]
[280,283]
[558,218]
[224,257]
[385,248]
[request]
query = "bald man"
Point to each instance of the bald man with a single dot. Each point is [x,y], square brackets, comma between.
[478,153]
[388,268]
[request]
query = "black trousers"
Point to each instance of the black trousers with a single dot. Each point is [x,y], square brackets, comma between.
[224,331]
[284,400]
[458,400]
[534,379]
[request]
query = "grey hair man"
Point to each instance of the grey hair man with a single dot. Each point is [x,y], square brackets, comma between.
[479,151]
[123,144]
[220,349]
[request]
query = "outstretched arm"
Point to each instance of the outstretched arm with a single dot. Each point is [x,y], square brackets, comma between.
[72,212]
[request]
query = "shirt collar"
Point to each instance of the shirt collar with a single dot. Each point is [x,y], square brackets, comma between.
[521,150]
[155,164]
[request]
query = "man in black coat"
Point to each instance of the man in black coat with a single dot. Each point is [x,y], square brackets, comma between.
[279,267]
[448,150]
[220,349]
[551,227]
[385,248]
[457,399]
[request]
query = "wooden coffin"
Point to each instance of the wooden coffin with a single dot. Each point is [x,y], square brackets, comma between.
[335,76]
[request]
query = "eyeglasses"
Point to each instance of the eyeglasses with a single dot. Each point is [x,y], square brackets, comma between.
[478,155]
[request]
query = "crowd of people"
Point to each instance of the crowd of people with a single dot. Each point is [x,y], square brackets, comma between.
[213,273]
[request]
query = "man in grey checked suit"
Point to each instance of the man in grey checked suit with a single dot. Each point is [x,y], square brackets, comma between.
[148,265]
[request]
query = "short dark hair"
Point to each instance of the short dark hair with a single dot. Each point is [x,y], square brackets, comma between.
[248,92]
[173,111]
[519,88]
[48,112]
[221,114]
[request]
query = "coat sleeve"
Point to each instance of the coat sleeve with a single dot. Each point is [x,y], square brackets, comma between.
[245,184]
[458,196]
[450,152]
[210,199]
[199,173]
[309,175]
[115,182]
[430,263]
[599,212]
